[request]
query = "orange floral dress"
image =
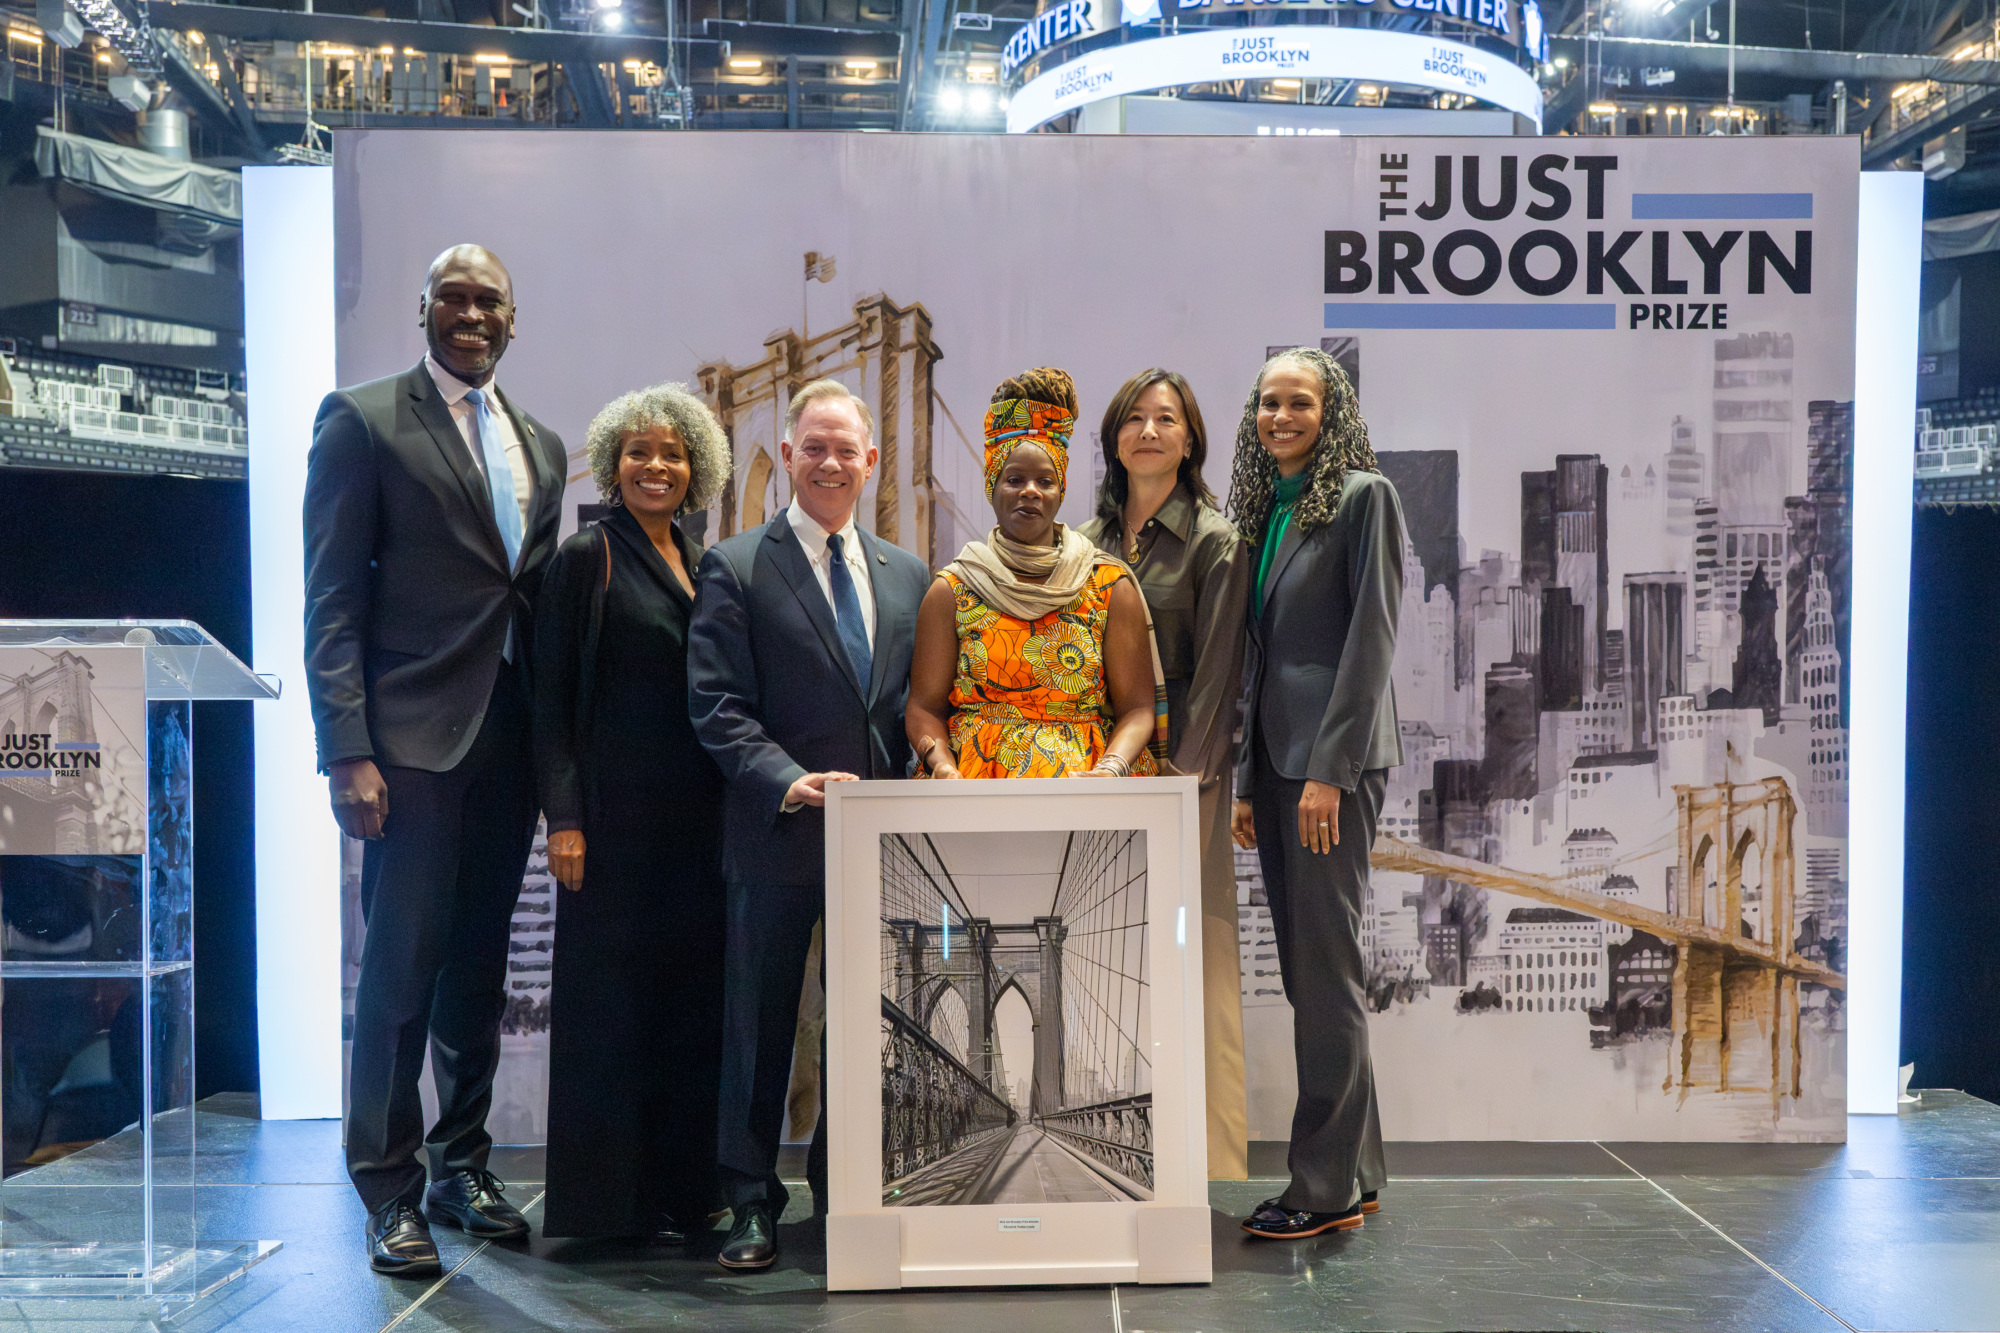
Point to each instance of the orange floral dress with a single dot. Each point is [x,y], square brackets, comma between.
[1029,699]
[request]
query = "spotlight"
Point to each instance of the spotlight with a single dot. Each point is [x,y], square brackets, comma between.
[952,100]
[744,63]
[614,20]
[981,101]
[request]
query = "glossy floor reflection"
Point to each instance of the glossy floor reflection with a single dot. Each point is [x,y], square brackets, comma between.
[1898,1229]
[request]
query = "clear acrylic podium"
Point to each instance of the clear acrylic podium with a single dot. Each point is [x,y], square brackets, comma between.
[98,1200]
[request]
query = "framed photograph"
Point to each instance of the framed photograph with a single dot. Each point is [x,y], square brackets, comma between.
[1014,1059]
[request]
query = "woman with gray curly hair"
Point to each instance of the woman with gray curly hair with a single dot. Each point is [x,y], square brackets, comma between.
[635,1049]
[1320,736]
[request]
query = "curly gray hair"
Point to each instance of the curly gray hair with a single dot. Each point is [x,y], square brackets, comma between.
[709,461]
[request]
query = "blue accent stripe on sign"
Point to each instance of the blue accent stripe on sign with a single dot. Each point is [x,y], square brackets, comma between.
[1693,206]
[1494,315]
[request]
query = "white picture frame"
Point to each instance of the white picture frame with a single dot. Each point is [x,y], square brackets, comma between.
[1164,1239]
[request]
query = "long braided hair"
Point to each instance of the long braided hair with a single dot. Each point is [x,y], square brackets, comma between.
[1342,444]
[1043,384]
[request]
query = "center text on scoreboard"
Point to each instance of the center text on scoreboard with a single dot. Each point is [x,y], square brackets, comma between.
[1057,23]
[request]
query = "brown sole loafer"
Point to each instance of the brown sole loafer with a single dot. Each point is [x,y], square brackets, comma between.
[1315,1224]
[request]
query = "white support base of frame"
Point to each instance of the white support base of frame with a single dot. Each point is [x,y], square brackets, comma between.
[873,1251]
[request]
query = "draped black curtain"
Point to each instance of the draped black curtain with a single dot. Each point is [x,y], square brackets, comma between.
[91,546]
[1951,903]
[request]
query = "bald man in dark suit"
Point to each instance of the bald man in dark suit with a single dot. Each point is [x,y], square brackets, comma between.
[431,509]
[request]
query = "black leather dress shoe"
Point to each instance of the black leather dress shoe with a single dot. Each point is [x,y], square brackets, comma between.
[1274,1221]
[472,1202]
[753,1240]
[400,1244]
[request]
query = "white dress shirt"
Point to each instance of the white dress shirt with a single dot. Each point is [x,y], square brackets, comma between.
[466,415]
[813,538]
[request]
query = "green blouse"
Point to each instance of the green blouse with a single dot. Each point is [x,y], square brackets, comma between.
[1275,527]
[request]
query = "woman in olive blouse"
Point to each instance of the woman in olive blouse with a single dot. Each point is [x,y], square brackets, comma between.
[1157,514]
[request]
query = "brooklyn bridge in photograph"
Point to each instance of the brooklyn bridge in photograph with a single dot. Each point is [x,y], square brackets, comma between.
[1015,1018]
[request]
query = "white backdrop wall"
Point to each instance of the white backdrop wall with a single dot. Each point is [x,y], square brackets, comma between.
[1538,662]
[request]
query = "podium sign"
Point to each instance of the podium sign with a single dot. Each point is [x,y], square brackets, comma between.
[97,961]
[1014,1034]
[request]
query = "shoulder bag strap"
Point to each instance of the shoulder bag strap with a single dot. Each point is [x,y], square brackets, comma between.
[586,676]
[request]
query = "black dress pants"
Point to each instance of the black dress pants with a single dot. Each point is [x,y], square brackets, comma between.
[437,891]
[770,933]
[1316,904]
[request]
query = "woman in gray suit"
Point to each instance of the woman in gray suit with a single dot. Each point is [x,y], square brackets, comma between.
[1326,532]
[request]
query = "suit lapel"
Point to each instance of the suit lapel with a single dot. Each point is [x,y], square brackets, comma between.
[1288,546]
[886,620]
[548,473]
[431,411]
[798,571]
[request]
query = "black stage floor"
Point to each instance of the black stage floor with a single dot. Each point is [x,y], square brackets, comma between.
[1898,1229]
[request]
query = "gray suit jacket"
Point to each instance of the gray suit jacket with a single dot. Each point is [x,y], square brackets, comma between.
[1320,647]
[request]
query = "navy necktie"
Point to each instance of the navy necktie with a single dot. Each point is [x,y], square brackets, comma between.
[847,612]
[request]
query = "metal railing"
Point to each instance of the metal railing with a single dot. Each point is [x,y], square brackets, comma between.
[932,1105]
[1117,1134]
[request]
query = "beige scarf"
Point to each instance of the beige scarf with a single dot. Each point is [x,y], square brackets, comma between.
[996,568]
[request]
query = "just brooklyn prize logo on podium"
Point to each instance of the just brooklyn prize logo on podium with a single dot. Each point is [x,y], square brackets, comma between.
[40,752]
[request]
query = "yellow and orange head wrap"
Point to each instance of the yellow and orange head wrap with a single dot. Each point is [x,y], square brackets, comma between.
[1016,421]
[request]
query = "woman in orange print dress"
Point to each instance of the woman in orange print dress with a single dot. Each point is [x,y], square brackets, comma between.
[1033,656]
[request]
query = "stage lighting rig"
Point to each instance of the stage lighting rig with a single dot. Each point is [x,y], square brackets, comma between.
[130,35]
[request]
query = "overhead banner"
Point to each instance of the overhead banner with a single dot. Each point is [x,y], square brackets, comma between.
[1612,382]
[1220,55]
[1064,21]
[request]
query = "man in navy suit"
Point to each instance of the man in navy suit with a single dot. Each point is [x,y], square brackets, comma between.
[430,513]
[798,669]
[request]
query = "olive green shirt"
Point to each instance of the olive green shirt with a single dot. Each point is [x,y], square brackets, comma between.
[1195,573]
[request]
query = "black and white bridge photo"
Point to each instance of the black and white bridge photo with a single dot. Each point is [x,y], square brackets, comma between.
[1015,1018]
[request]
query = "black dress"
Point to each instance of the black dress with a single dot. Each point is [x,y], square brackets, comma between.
[635,1044]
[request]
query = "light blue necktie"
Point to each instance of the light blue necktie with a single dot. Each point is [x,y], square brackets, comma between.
[499,476]
[847,612]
